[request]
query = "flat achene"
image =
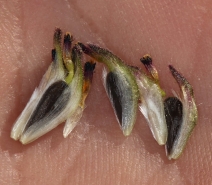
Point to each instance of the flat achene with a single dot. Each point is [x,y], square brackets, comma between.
[188,121]
[58,96]
[120,86]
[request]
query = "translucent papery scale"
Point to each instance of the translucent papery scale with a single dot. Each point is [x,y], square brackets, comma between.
[75,116]
[151,106]
[75,109]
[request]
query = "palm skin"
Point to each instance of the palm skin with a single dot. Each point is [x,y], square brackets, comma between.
[177,33]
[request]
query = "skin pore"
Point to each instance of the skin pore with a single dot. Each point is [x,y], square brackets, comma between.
[96,152]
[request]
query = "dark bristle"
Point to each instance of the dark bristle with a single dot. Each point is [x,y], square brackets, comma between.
[89,66]
[174,72]
[58,35]
[178,77]
[67,42]
[102,52]
[77,48]
[172,69]
[53,54]
[68,39]
[88,70]
[58,30]
[85,49]
[146,60]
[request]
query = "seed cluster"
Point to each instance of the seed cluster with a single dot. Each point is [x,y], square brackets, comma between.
[64,87]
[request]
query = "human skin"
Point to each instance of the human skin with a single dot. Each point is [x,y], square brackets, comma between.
[96,152]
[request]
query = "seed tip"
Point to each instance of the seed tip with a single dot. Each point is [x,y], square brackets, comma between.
[84,48]
[57,35]
[146,59]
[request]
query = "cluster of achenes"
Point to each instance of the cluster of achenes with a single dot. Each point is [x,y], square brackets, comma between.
[64,87]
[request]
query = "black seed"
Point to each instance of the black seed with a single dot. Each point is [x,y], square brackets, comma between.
[173,114]
[49,103]
[112,85]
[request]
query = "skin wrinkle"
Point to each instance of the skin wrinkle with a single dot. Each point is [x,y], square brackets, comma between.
[108,150]
[12,175]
